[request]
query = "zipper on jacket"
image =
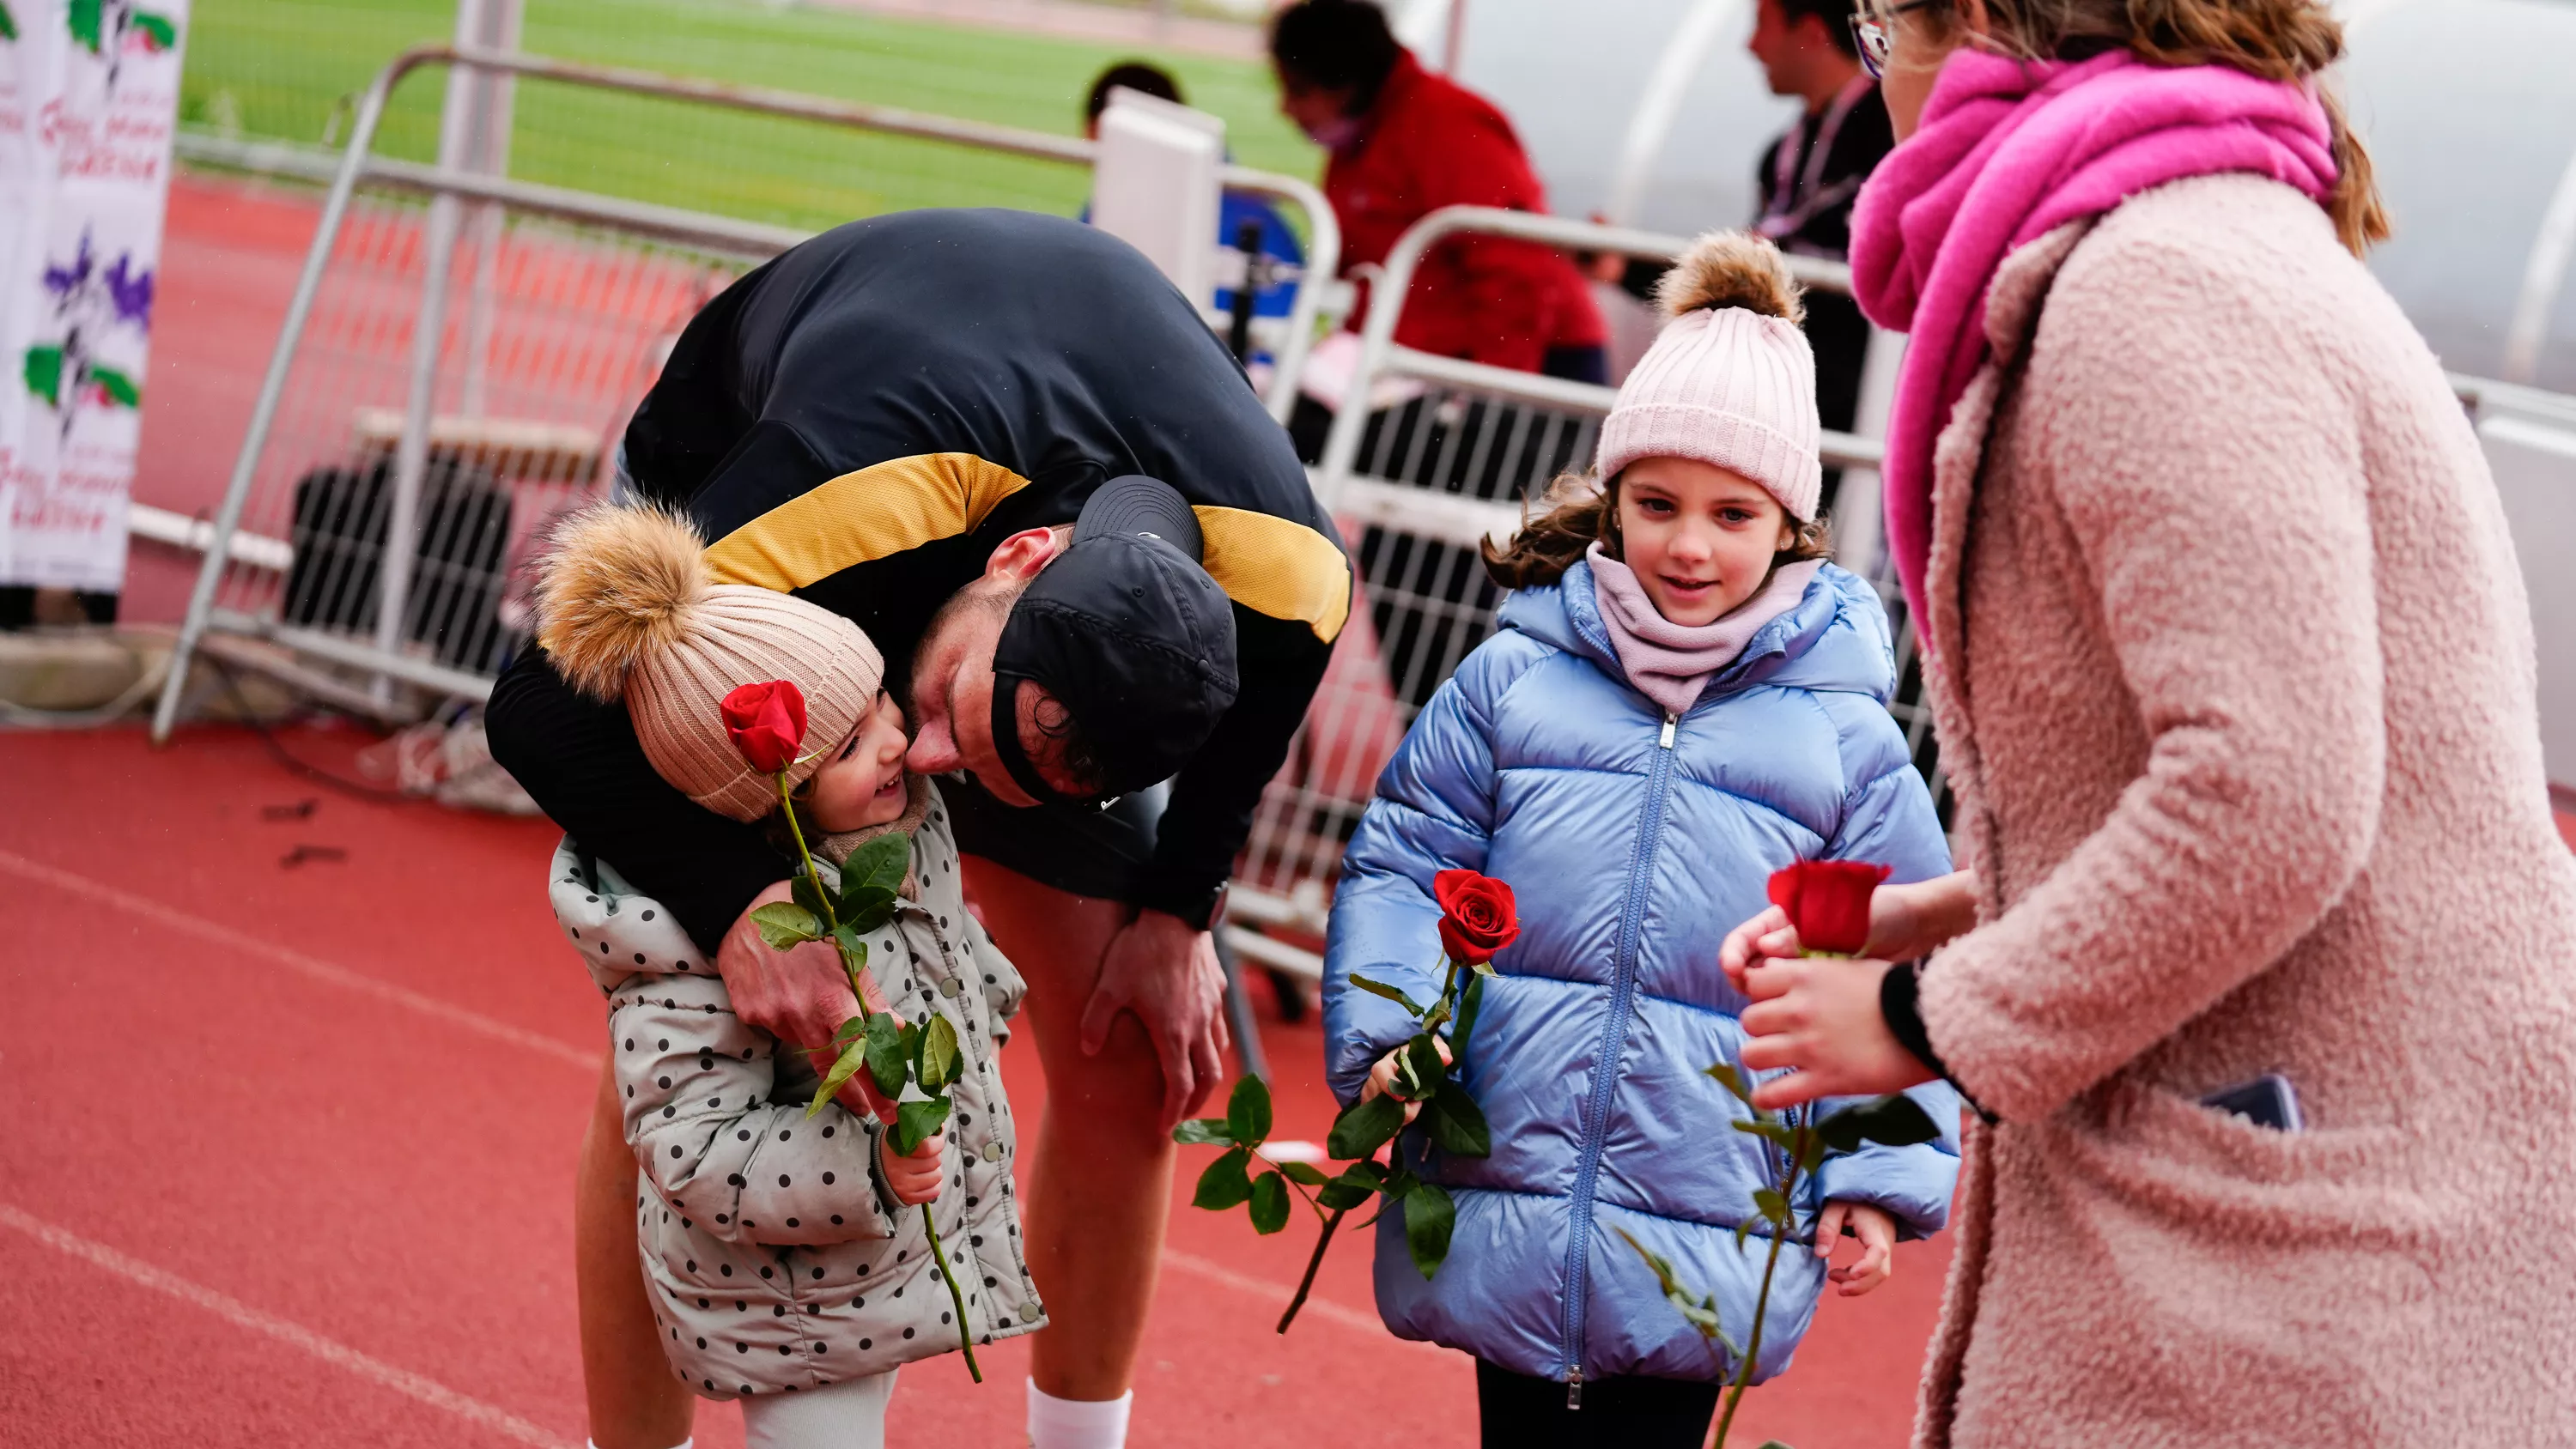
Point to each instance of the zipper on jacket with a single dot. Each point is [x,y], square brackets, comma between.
[1623,995]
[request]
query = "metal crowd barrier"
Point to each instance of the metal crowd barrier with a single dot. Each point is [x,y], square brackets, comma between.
[1429,457]
[398,463]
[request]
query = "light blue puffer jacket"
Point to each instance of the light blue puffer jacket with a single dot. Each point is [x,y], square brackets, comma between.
[1633,844]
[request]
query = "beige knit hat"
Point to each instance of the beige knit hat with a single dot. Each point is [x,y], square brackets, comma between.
[1730,380]
[627,609]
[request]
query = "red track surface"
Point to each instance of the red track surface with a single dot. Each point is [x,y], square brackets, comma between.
[290,1155]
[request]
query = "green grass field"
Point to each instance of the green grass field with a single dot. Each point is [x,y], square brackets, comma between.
[291,69]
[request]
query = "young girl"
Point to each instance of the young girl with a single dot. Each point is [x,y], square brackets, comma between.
[1681,697]
[785,1255]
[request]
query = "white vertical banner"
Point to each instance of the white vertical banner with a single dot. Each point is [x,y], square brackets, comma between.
[89,97]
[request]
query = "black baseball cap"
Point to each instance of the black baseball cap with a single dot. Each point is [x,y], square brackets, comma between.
[1128,632]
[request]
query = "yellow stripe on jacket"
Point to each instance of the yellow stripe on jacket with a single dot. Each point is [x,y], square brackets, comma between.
[1270,565]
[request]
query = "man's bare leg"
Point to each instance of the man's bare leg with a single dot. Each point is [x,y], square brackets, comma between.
[635,1400]
[1100,1190]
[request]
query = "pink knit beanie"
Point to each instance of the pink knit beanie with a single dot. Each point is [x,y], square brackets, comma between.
[627,610]
[1731,380]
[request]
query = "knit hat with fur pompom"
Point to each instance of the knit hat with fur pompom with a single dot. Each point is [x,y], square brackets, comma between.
[1730,380]
[627,610]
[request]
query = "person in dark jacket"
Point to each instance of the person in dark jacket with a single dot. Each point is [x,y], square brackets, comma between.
[1813,173]
[1008,450]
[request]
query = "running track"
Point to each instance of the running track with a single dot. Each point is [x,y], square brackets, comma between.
[290,1148]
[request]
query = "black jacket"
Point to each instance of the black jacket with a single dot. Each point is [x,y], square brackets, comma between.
[861,421]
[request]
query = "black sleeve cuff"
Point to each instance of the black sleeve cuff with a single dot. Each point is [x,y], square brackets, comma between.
[1190,895]
[1898,1005]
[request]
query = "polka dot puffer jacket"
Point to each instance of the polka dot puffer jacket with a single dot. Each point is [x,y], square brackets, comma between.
[775,1259]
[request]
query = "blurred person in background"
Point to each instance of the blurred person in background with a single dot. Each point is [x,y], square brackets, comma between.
[1812,174]
[1279,245]
[1404,142]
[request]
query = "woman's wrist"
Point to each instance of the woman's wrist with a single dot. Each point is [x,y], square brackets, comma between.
[1900,1006]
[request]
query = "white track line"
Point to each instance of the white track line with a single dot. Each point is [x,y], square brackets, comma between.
[375,1370]
[313,966]
[342,976]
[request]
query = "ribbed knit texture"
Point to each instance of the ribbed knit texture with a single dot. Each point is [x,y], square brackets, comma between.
[742,635]
[1671,663]
[1730,387]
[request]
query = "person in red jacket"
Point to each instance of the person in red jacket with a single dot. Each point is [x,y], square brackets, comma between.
[1405,142]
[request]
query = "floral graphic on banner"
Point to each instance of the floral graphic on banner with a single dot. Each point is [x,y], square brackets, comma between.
[88,300]
[107,28]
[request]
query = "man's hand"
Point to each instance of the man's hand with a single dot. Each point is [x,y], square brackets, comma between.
[1877,1233]
[1168,976]
[1820,1015]
[799,995]
[912,1180]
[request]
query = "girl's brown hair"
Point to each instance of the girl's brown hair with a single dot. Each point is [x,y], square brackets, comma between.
[2282,40]
[1579,512]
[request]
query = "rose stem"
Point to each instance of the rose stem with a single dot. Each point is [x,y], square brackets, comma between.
[1306,1284]
[1761,1309]
[956,1295]
[787,803]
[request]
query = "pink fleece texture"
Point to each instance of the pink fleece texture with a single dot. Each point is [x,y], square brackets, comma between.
[1671,663]
[2007,151]
[2237,684]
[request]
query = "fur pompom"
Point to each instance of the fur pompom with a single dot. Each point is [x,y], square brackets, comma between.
[1731,269]
[617,584]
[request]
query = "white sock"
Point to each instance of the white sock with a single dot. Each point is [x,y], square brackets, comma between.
[1077,1423]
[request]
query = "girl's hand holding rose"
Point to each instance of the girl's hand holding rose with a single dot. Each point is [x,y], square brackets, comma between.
[912,1180]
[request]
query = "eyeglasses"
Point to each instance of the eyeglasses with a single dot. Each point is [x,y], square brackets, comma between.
[1870,36]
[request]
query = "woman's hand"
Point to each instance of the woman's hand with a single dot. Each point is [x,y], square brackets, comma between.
[1905,921]
[1877,1233]
[1819,1015]
[912,1180]
[1381,1078]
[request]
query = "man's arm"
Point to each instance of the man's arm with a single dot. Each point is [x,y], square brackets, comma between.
[1281,664]
[581,762]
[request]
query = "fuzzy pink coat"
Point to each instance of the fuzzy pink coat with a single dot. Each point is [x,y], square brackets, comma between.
[2235,676]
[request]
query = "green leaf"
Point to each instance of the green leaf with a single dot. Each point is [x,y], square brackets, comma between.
[1482,968]
[877,867]
[1772,1205]
[872,909]
[888,1062]
[84,18]
[939,1063]
[1305,1174]
[1810,1151]
[1742,1227]
[8,24]
[851,1030]
[916,1123]
[1225,1182]
[1895,1120]
[1740,1083]
[1458,1124]
[1781,1134]
[809,894]
[1269,1203]
[1429,1217]
[1420,1070]
[120,389]
[1770,1443]
[1247,1111]
[1699,1311]
[1471,999]
[783,925]
[842,1070]
[854,951]
[157,28]
[1201,1131]
[1356,1184]
[1380,988]
[1365,1127]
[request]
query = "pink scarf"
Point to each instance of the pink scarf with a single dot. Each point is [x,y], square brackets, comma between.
[2008,151]
[1671,663]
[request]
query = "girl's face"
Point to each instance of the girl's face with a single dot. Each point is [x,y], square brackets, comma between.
[862,782]
[1698,537]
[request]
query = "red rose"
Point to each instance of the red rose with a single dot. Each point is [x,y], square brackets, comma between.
[1828,901]
[1477,916]
[767,722]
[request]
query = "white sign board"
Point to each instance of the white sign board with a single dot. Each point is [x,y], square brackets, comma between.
[89,95]
[1156,185]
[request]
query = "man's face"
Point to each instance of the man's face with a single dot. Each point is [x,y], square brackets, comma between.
[952,699]
[1782,46]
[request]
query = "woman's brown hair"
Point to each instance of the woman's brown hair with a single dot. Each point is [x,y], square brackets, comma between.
[1578,512]
[2282,40]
